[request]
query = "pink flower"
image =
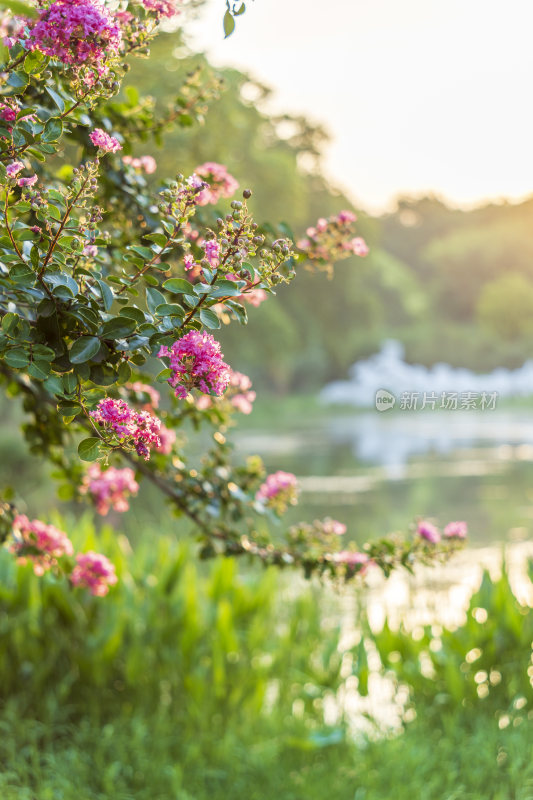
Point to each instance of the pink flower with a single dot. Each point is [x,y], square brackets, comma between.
[95,572]
[196,362]
[77,32]
[456,530]
[147,164]
[345,217]
[138,429]
[428,531]
[42,544]
[8,113]
[163,8]
[332,239]
[90,250]
[254,297]
[279,490]
[212,252]
[334,527]
[27,181]
[13,169]
[167,437]
[105,142]
[220,183]
[144,388]
[354,562]
[359,246]
[240,395]
[109,488]
[188,261]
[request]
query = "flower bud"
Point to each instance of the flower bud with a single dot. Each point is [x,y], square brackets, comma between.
[246,194]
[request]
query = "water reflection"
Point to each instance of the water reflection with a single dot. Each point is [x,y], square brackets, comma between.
[376,471]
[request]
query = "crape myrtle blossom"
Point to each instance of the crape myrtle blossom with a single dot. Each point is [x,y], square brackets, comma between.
[212,252]
[13,169]
[105,142]
[76,32]
[138,429]
[428,531]
[279,491]
[95,572]
[40,543]
[332,238]
[146,164]
[219,183]
[353,561]
[31,181]
[163,8]
[456,530]
[167,438]
[109,488]
[196,363]
[139,388]
[238,394]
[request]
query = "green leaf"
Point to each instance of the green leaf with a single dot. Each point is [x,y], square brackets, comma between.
[170,310]
[107,294]
[164,375]
[17,80]
[83,349]
[118,327]
[9,321]
[229,24]
[159,238]
[35,62]
[17,358]
[144,252]
[209,318]
[226,289]
[154,298]
[89,449]
[178,286]
[52,130]
[39,370]
[58,100]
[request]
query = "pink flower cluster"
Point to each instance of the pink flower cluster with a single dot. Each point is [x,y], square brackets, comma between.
[167,437]
[197,363]
[353,561]
[42,544]
[95,572]
[105,142]
[221,183]
[279,490]
[163,8]
[212,252]
[146,164]
[430,532]
[138,428]
[24,182]
[139,388]
[331,239]
[110,488]
[13,169]
[238,394]
[76,32]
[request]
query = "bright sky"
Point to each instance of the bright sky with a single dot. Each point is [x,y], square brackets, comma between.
[418,95]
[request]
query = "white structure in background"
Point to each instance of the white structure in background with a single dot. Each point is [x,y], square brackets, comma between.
[387,370]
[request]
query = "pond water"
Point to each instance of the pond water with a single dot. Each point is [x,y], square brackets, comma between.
[376,472]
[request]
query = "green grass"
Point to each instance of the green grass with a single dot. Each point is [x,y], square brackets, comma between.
[143,758]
